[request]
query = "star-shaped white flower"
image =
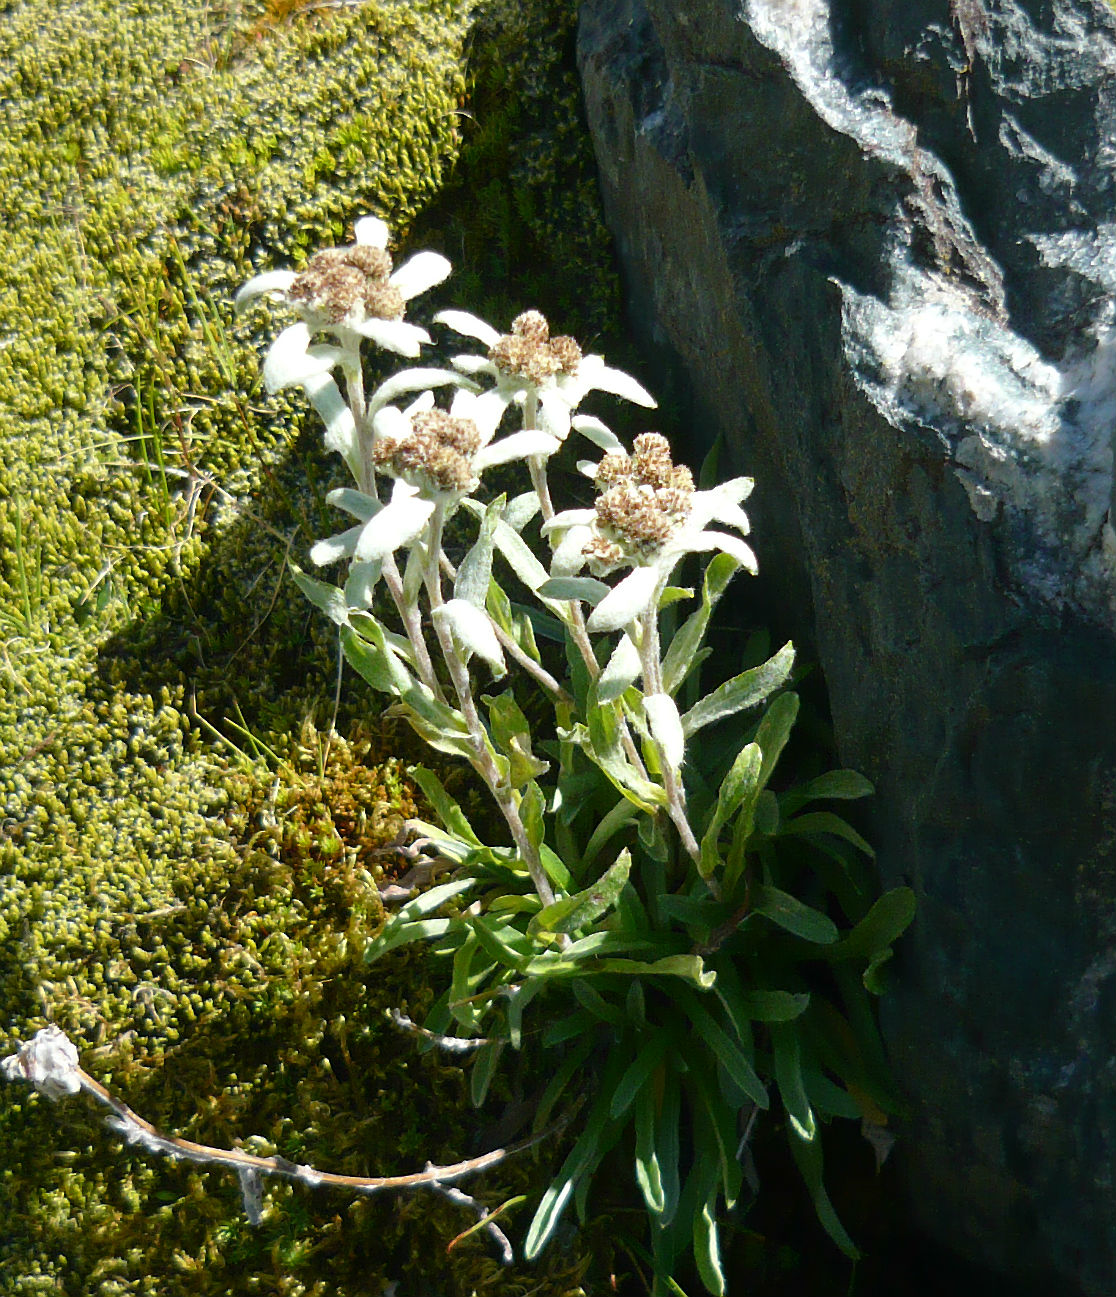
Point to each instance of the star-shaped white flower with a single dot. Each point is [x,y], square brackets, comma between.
[647,517]
[351,293]
[436,458]
[528,363]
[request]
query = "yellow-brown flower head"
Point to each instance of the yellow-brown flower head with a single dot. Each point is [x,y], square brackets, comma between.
[530,353]
[350,283]
[436,457]
[644,499]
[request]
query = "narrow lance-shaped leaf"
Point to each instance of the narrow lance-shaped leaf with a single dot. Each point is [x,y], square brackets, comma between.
[512,734]
[885,921]
[774,730]
[807,1154]
[688,640]
[648,1171]
[447,810]
[748,689]
[637,1078]
[475,572]
[823,824]
[740,788]
[581,1160]
[788,1077]
[585,588]
[843,785]
[793,916]
[575,912]
[322,595]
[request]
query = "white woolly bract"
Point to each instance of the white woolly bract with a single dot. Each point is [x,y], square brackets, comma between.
[666,727]
[471,628]
[623,670]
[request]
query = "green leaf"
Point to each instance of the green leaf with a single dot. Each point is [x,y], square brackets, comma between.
[638,1074]
[403,934]
[621,815]
[503,943]
[822,823]
[575,912]
[748,689]
[519,997]
[707,1248]
[774,1006]
[602,744]
[532,805]
[585,588]
[668,1150]
[512,732]
[447,810]
[716,1129]
[499,607]
[475,571]
[466,980]
[884,922]
[378,662]
[807,1154]
[774,730]
[739,791]
[555,867]
[485,1062]
[690,968]
[683,651]
[875,976]
[788,1077]
[582,1158]
[712,1034]
[790,914]
[453,739]
[572,1062]
[595,1003]
[648,1172]
[429,901]
[374,661]
[322,595]
[843,785]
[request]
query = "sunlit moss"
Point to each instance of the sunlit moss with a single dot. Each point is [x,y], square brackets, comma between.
[184,871]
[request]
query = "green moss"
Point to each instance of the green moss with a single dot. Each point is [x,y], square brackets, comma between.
[153,650]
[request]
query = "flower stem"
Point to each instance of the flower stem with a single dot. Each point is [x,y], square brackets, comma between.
[653,684]
[483,760]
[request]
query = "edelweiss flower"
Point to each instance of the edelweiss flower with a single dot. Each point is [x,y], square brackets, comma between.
[528,362]
[351,293]
[436,457]
[647,516]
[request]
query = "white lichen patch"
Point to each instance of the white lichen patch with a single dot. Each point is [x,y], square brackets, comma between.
[1030,440]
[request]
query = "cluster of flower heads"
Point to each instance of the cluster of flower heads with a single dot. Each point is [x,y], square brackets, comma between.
[644,498]
[350,293]
[347,286]
[530,354]
[647,514]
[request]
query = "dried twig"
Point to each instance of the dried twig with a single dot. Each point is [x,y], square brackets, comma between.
[49,1062]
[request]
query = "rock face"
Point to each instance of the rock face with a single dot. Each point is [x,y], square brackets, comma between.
[876,238]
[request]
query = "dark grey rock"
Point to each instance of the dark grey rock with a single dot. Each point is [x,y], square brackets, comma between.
[877,241]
